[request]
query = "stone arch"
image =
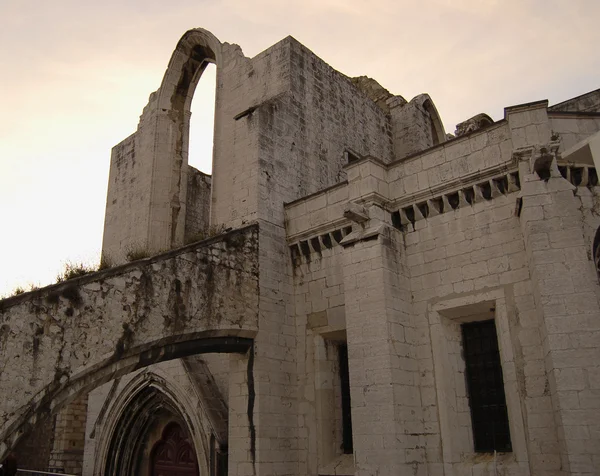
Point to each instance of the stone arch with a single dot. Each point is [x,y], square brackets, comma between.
[132,409]
[194,50]
[59,394]
[164,129]
[438,134]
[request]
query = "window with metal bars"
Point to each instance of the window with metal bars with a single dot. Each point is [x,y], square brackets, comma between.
[485,387]
[347,445]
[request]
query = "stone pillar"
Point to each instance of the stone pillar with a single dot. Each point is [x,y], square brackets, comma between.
[69,438]
[386,403]
[565,290]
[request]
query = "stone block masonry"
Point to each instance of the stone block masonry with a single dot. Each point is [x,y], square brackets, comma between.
[365,242]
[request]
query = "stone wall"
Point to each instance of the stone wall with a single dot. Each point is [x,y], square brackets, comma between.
[33,450]
[83,332]
[198,205]
[572,129]
[589,102]
[69,438]
[467,253]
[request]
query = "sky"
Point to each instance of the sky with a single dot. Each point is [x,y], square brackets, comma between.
[76,74]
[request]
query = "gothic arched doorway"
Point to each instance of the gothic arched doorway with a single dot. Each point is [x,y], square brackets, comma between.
[151,437]
[173,454]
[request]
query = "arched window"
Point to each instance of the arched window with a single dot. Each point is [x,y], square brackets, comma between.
[200,149]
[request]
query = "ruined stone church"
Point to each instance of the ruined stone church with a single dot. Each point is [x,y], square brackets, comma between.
[352,291]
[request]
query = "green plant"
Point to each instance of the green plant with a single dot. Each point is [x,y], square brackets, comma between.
[105,262]
[135,253]
[74,270]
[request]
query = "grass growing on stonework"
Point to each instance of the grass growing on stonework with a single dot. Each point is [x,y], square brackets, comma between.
[213,230]
[74,270]
[137,252]
[20,290]
[105,263]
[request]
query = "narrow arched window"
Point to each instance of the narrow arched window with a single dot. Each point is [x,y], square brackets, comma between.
[202,121]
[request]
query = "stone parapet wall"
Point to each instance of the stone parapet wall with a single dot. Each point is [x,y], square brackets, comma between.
[88,330]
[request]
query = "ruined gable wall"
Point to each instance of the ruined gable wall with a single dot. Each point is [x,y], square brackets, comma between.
[246,85]
[127,211]
[148,178]
[589,102]
[304,134]
[572,129]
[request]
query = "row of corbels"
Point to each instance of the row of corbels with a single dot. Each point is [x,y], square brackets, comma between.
[465,197]
[579,176]
[318,243]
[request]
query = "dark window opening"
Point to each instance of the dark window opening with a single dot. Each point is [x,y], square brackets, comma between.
[218,458]
[222,462]
[347,446]
[485,387]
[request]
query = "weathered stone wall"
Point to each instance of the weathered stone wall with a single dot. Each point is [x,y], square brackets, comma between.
[456,159]
[320,324]
[126,218]
[76,335]
[572,129]
[466,255]
[565,291]
[304,134]
[33,450]
[458,257]
[198,205]
[416,125]
[69,438]
[589,102]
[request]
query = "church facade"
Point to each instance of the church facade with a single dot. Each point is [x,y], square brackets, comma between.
[352,291]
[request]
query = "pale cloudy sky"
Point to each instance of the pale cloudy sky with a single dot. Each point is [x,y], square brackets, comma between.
[75,75]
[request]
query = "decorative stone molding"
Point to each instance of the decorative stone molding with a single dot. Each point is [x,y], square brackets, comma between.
[316,244]
[458,198]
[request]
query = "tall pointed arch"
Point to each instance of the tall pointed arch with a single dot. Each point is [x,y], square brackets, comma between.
[134,413]
[147,196]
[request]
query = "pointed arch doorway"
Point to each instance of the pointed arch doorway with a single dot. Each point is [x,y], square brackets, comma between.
[173,454]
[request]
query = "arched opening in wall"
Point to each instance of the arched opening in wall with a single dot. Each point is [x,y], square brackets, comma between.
[151,438]
[202,121]
[438,134]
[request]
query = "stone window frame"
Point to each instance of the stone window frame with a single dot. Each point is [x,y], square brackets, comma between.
[445,317]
